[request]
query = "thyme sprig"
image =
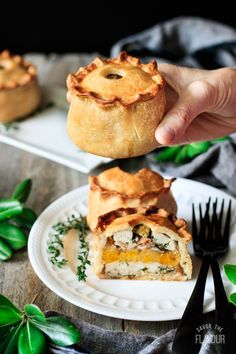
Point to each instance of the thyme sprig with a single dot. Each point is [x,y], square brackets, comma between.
[82,256]
[56,245]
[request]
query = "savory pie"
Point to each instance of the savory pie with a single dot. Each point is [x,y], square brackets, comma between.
[19,90]
[115,188]
[147,243]
[116,106]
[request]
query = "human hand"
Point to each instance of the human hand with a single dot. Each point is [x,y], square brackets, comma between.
[201,104]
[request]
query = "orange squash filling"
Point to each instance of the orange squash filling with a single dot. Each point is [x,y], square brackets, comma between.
[135,255]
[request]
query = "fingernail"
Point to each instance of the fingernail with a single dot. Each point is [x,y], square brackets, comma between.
[165,134]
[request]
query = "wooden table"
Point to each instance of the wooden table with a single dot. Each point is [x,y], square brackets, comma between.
[18,281]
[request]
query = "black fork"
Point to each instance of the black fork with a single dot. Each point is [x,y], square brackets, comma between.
[210,242]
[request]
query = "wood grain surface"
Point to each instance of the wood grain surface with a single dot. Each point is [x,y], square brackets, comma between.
[17,278]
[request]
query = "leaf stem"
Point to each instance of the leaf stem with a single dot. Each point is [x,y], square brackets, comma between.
[35,298]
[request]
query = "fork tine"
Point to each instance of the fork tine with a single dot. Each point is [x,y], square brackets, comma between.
[221,213]
[200,212]
[207,223]
[227,223]
[213,222]
[204,218]
[201,221]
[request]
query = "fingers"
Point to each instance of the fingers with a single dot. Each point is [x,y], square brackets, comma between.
[196,98]
[179,77]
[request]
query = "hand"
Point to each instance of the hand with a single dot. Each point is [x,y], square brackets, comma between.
[201,104]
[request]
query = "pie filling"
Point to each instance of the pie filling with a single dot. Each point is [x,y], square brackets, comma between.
[114,76]
[140,251]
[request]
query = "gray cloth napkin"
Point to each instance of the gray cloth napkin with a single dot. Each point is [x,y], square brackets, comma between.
[96,340]
[189,41]
[216,167]
[192,42]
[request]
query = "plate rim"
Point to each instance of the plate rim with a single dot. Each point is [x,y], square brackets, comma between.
[150,315]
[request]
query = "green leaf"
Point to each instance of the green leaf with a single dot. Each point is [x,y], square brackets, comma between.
[230,272]
[9,344]
[22,190]
[182,156]
[26,219]
[232,298]
[5,251]
[13,236]
[9,314]
[168,154]
[31,340]
[60,331]
[4,331]
[195,149]
[9,204]
[220,140]
[9,213]
[34,313]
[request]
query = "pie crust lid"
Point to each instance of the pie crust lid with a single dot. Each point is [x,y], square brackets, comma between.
[115,181]
[123,79]
[15,71]
[138,215]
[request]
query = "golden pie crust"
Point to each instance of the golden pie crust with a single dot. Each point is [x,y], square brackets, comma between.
[160,222]
[19,91]
[116,106]
[115,188]
[138,215]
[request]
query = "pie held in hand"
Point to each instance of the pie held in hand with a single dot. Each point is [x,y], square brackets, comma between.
[19,91]
[116,106]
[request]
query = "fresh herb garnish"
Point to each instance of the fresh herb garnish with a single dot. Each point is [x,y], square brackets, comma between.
[15,220]
[56,245]
[83,258]
[29,330]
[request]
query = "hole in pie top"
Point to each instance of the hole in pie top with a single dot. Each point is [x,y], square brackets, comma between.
[1,67]
[113,76]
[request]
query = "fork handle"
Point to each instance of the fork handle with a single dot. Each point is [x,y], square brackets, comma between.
[224,315]
[185,340]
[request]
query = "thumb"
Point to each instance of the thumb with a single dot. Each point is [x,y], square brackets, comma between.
[196,98]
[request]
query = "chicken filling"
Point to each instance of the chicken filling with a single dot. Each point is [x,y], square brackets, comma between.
[142,237]
[139,251]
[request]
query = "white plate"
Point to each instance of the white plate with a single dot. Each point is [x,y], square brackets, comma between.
[128,299]
[45,134]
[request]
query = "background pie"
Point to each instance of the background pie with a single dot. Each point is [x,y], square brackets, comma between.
[19,91]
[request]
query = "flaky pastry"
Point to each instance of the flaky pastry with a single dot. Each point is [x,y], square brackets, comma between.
[115,188]
[116,106]
[19,90]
